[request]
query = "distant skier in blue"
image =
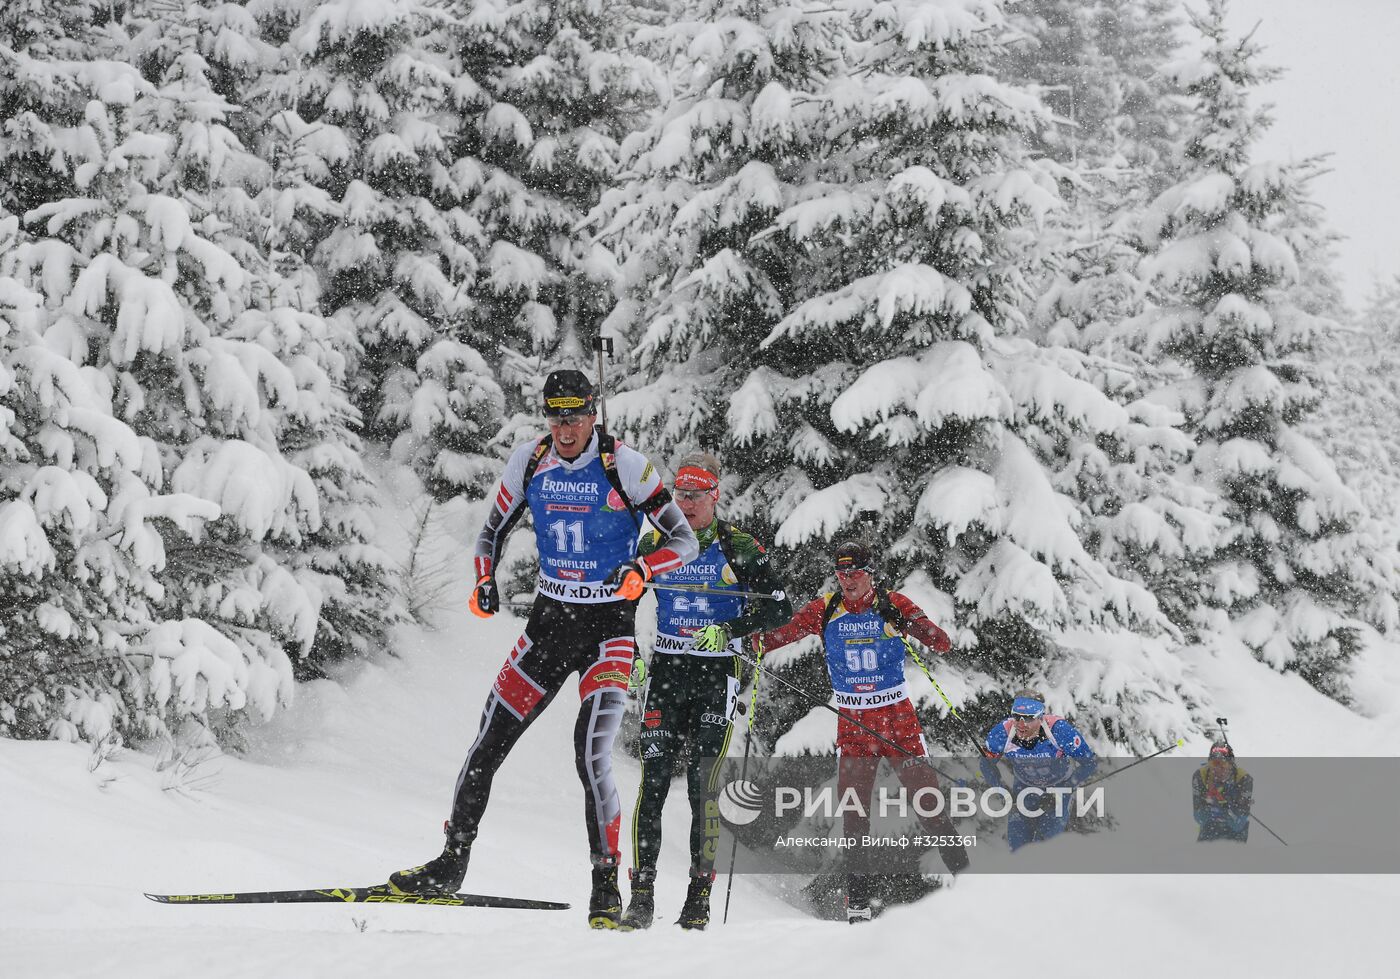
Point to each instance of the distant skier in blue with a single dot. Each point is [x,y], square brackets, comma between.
[1045,751]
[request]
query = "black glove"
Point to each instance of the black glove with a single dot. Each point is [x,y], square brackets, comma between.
[486,597]
[894,617]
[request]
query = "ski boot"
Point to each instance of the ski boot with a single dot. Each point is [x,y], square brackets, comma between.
[441,875]
[858,907]
[955,855]
[642,907]
[605,903]
[695,913]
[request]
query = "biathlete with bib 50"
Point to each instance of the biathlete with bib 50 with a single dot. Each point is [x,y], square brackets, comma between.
[863,629]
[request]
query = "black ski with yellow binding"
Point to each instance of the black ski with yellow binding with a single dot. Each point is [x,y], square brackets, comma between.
[360,895]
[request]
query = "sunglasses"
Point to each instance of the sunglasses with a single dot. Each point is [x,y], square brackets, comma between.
[1025,718]
[694,495]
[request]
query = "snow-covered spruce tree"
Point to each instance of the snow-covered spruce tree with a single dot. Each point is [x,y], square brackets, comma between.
[138,299]
[79,524]
[1142,514]
[1125,116]
[1095,64]
[360,113]
[1138,36]
[1055,51]
[1355,358]
[82,517]
[738,143]
[73,586]
[1361,413]
[34,33]
[893,395]
[261,221]
[325,593]
[1116,151]
[1098,62]
[953,418]
[1298,570]
[78,530]
[461,146]
[559,86]
[1139,516]
[353,578]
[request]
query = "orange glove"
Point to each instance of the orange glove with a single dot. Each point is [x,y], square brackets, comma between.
[630,579]
[486,598]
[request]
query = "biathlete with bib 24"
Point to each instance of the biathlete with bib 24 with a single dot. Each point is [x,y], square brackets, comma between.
[692,688]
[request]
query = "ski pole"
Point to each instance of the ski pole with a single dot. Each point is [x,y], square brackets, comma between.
[602,344]
[1177,744]
[1225,736]
[707,590]
[807,698]
[743,774]
[1271,832]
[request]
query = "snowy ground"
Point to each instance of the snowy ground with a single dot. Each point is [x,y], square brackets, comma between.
[355,781]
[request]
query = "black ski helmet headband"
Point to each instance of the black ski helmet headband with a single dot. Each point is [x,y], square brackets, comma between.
[567,393]
[854,557]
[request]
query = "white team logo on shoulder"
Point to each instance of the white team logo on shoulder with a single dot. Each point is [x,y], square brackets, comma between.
[740,802]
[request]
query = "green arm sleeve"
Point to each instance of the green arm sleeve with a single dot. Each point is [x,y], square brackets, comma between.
[648,544]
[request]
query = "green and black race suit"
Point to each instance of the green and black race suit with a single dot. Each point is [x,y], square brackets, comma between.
[690,696]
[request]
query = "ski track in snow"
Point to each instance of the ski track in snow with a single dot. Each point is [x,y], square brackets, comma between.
[356,780]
